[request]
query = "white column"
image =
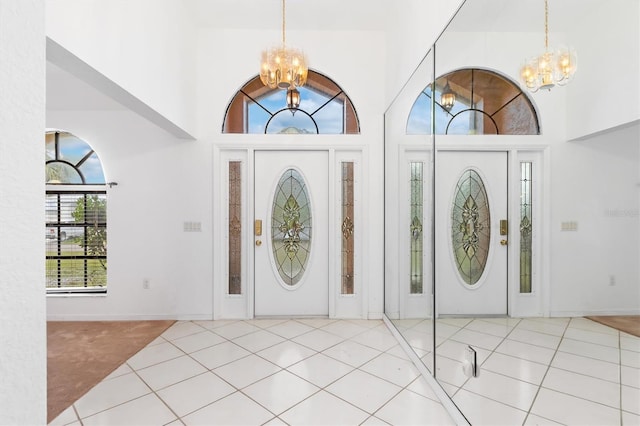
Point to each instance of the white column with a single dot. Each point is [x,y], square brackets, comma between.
[23,367]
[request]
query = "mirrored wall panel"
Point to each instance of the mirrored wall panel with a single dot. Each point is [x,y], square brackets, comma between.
[409,213]
[511,205]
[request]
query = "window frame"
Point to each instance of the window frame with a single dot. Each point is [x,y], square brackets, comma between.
[236,118]
[58,218]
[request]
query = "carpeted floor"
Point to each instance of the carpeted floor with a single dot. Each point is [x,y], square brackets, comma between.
[627,323]
[81,353]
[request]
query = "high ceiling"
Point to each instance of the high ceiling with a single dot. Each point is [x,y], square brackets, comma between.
[65,92]
[328,15]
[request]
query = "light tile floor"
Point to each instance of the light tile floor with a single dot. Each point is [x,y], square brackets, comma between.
[570,371]
[275,372]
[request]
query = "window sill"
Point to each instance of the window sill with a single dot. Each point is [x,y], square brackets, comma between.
[62,292]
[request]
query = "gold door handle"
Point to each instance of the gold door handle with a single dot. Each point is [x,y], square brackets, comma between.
[258,243]
[503,242]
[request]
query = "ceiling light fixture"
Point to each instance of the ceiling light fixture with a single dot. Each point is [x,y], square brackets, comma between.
[293,98]
[553,67]
[447,97]
[283,67]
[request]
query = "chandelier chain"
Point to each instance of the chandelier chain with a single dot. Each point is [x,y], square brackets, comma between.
[283,24]
[282,67]
[546,25]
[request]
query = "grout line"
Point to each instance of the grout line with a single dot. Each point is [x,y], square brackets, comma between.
[533,401]
[77,414]
[620,373]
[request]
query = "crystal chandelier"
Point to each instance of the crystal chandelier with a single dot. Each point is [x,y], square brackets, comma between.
[283,67]
[553,67]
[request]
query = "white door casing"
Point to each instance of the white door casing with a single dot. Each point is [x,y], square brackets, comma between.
[487,295]
[309,295]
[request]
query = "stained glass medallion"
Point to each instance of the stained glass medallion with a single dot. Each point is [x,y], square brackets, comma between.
[470,226]
[291,227]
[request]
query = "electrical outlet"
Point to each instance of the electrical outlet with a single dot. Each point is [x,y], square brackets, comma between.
[145,284]
[612,280]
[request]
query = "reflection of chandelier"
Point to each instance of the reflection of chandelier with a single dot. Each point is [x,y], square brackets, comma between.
[283,67]
[551,67]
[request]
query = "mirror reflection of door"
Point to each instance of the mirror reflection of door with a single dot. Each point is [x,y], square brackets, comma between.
[471,253]
[291,255]
[415,191]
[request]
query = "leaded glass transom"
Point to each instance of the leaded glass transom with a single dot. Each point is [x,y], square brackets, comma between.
[324,109]
[291,227]
[486,103]
[470,226]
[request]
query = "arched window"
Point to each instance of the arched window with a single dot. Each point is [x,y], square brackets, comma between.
[76,216]
[483,103]
[324,108]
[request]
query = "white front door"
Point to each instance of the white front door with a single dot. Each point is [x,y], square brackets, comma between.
[291,254]
[471,248]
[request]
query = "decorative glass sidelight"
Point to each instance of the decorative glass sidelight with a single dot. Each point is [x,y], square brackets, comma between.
[470,226]
[347,229]
[526,222]
[291,227]
[415,227]
[235,227]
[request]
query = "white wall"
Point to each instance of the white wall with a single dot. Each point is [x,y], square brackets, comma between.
[413,27]
[145,46]
[605,92]
[23,374]
[594,270]
[162,183]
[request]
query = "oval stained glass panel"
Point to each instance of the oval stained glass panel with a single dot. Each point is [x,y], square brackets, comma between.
[470,226]
[291,227]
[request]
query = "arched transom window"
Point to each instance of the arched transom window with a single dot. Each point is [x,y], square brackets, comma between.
[480,102]
[324,109]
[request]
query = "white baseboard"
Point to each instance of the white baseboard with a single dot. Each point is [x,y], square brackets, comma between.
[126,317]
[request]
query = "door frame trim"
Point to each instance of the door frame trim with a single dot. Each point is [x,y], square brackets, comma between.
[520,148]
[226,306]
